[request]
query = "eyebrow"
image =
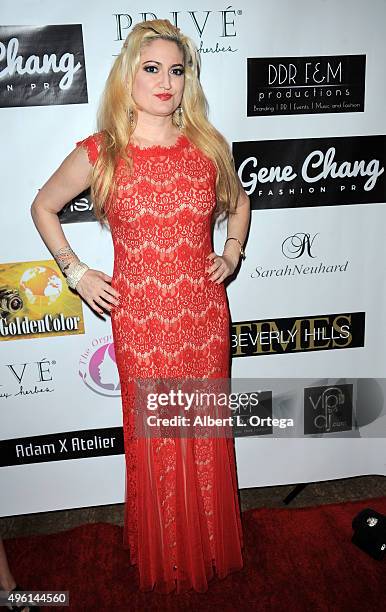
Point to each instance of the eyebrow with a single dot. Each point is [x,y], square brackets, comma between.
[160,63]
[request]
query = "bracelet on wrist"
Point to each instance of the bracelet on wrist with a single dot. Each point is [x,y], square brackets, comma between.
[242,252]
[75,273]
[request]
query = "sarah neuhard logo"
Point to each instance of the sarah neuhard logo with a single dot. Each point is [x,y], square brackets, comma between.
[40,66]
[298,244]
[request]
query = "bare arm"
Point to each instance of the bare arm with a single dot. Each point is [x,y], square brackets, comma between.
[237,227]
[71,178]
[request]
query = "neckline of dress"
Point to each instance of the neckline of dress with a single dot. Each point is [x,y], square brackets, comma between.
[158,148]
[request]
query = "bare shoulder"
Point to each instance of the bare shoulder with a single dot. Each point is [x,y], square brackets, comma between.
[91,145]
[71,177]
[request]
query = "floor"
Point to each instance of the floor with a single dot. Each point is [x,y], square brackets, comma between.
[326,492]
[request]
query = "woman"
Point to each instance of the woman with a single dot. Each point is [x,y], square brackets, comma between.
[8,584]
[160,174]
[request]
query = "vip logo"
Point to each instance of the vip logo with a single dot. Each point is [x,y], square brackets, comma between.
[296,245]
[328,409]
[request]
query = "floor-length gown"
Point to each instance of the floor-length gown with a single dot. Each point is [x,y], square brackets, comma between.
[182,516]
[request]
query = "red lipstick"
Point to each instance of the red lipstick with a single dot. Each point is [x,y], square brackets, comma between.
[164,96]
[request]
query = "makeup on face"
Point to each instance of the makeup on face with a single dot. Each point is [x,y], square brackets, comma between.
[159,82]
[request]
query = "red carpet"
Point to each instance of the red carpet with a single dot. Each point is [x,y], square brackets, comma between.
[295,559]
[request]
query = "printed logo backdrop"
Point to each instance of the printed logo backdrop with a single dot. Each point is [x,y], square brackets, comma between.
[301,104]
[42,65]
[293,85]
[313,172]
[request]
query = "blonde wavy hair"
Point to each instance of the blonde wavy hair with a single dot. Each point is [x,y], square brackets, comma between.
[117,105]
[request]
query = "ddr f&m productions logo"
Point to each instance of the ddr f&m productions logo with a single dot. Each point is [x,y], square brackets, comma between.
[305,85]
[40,66]
[35,302]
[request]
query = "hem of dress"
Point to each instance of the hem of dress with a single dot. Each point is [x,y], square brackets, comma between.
[176,587]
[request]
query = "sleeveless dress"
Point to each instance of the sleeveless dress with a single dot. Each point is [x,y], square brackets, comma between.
[182,520]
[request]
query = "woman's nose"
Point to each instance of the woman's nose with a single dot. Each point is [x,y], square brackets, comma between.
[165,80]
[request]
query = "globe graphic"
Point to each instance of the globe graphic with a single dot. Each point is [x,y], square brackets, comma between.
[41,285]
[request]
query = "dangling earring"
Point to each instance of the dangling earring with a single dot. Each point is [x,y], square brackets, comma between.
[131,117]
[180,118]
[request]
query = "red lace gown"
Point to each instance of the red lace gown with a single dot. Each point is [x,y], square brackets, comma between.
[182,516]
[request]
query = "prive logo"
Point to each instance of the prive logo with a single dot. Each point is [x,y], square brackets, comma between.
[217,30]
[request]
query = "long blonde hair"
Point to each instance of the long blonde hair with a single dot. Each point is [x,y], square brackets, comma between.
[117,105]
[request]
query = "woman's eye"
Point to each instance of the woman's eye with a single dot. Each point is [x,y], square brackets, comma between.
[153,69]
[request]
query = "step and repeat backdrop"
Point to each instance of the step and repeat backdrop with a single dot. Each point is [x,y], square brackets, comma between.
[298,90]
